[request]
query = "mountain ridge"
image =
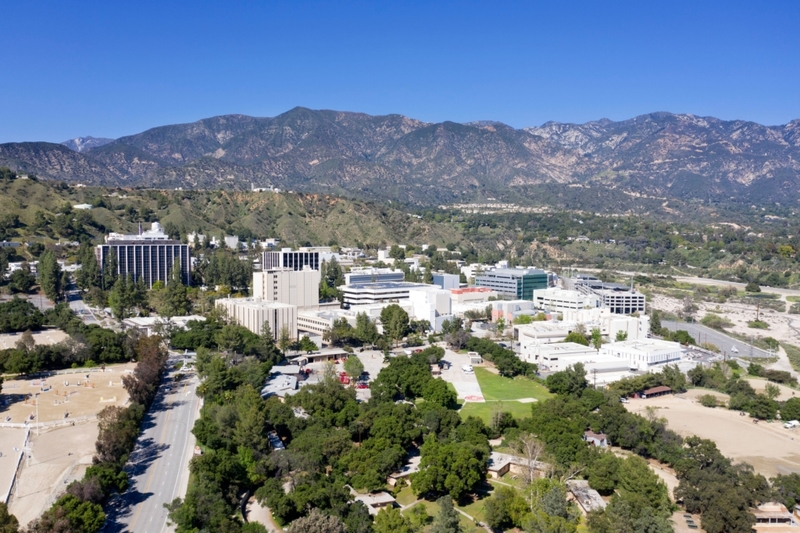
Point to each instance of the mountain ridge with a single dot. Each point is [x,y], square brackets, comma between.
[393,157]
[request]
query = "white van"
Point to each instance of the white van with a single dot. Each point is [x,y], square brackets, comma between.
[792,424]
[467,368]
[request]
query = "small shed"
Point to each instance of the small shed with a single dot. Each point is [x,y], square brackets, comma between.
[499,464]
[772,513]
[475,358]
[595,439]
[411,467]
[654,392]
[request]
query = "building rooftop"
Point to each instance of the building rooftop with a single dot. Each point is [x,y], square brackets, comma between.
[587,497]
[388,285]
[657,390]
[279,386]
[513,272]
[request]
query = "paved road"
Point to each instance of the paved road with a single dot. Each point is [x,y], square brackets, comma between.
[79,307]
[158,467]
[723,342]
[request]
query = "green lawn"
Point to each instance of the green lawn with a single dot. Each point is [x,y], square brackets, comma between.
[484,410]
[495,387]
[432,508]
[793,298]
[405,496]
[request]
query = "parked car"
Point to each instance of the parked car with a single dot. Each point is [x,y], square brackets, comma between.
[467,368]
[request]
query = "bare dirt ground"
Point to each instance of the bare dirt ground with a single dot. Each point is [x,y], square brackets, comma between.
[58,457]
[767,446]
[60,454]
[47,337]
[70,394]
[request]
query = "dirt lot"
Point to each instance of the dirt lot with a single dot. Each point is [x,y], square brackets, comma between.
[46,337]
[81,397]
[769,447]
[60,454]
[58,457]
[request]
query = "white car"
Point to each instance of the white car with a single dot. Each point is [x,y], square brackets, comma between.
[467,368]
[734,350]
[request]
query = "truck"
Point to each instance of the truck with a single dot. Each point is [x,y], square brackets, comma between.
[792,424]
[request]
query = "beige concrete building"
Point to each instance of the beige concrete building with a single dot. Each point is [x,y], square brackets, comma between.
[286,286]
[252,313]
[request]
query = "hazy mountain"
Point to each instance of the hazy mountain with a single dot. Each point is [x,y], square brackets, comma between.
[81,144]
[660,155]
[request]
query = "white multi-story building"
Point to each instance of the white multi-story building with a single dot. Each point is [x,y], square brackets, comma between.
[431,303]
[644,354]
[291,259]
[558,300]
[293,287]
[372,293]
[619,299]
[447,281]
[252,313]
[372,275]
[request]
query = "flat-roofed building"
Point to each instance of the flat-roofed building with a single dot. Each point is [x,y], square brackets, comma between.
[470,295]
[447,281]
[557,300]
[291,259]
[373,275]
[252,313]
[518,283]
[616,297]
[373,293]
[293,287]
[644,354]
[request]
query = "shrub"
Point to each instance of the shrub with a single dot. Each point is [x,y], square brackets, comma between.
[757,324]
[708,400]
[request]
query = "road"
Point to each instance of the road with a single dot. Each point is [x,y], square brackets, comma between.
[723,342]
[78,306]
[158,467]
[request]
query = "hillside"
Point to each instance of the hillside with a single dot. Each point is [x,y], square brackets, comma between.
[37,210]
[661,155]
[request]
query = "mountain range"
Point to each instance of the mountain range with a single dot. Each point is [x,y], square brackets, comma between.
[660,156]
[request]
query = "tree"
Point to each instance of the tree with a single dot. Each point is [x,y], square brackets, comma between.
[8,522]
[752,287]
[621,336]
[597,338]
[366,330]
[177,300]
[50,275]
[353,366]
[446,520]
[389,520]
[579,338]
[500,324]
[772,391]
[395,252]
[284,339]
[791,409]
[655,323]
[21,279]
[395,322]
[307,345]
[120,299]
[317,522]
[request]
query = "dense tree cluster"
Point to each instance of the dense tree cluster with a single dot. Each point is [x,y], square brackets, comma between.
[506,361]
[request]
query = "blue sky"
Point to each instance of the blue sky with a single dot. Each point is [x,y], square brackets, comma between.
[115,68]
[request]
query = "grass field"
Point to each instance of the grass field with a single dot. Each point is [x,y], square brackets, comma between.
[484,410]
[495,387]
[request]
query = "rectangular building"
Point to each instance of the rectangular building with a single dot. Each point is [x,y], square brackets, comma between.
[517,283]
[373,275]
[373,293]
[148,255]
[288,258]
[643,354]
[618,298]
[252,313]
[447,281]
[558,300]
[293,287]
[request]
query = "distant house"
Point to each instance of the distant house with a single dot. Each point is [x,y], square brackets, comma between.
[376,502]
[279,385]
[586,497]
[595,439]
[656,391]
[502,463]
[84,207]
